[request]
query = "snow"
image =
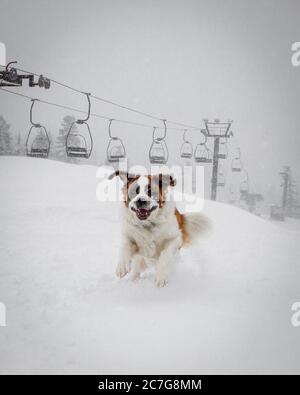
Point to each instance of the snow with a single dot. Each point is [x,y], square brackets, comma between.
[227,308]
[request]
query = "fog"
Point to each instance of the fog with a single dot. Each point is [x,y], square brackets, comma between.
[179,60]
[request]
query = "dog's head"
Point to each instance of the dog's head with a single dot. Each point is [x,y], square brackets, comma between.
[144,195]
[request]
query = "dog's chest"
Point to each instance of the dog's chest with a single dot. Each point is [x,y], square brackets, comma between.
[151,239]
[148,240]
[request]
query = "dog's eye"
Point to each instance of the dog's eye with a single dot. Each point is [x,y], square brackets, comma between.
[137,191]
[149,191]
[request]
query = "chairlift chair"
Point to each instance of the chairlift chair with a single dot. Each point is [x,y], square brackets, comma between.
[232,194]
[158,152]
[221,179]
[223,150]
[186,151]
[244,186]
[236,164]
[115,149]
[202,154]
[77,145]
[221,182]
[39,146]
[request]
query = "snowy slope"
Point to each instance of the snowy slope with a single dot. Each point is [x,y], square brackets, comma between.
[227,307]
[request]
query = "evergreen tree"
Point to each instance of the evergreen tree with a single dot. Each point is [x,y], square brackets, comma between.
[292,203]
[5,138]
[19,148]
[51,155]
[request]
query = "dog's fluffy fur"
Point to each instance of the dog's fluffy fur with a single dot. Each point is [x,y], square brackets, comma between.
[153,235]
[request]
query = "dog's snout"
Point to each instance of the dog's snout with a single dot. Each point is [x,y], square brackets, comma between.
[141,203]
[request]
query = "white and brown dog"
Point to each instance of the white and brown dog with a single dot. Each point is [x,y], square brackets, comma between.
[153,229]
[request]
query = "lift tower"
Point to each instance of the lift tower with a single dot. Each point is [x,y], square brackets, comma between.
[216,130]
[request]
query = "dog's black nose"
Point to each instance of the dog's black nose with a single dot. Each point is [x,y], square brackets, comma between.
[141,203]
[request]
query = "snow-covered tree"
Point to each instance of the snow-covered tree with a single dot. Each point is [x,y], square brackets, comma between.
[5,138]
[19,147]
[292,202]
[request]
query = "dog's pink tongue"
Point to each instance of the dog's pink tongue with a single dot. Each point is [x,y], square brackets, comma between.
[143,213]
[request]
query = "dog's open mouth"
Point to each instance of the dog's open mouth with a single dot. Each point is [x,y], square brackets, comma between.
[143,213]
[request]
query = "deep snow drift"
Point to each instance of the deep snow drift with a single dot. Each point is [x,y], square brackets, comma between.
[227,307]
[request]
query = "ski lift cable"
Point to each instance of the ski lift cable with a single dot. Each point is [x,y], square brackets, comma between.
[113,103]
[83,112]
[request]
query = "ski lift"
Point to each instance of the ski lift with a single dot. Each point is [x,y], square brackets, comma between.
[236,164]
[115,150]
[39,146]
[158,152]
[221,180]
[232,194]
[202,153]
[77,145]
[11,77]
[186,151]
[244,186]
[223,150]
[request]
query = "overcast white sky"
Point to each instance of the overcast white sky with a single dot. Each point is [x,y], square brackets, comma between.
[183,60]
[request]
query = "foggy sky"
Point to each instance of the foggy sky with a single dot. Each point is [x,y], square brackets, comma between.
[182,60]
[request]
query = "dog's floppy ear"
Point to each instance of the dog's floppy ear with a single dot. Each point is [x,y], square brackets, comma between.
[166,180]
[125,177]
[117,173]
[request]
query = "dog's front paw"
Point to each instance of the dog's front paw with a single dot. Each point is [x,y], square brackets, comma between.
[161,281]
[135,277]
[122,270]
